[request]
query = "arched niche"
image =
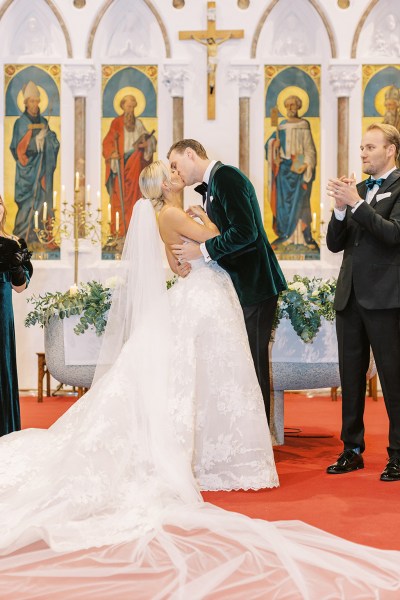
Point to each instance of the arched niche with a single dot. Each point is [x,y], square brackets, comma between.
[377,36]
[124,30]
[34,30]
[286,30]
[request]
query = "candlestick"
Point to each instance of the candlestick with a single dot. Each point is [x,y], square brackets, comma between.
[87,193]
[54,200]
[109,213]
[45,211]
[117,222]
[314,222]
[62,194]
[77,181]
[36,219]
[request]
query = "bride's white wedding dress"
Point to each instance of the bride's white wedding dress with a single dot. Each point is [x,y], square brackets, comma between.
[215,400]
[106,503]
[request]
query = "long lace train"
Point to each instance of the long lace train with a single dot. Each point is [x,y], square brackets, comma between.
[106,503]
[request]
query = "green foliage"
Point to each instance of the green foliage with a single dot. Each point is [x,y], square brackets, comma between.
[91,301]
[171,282]
[305,302]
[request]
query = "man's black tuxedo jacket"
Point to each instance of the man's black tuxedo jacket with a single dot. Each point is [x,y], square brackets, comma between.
[370,238]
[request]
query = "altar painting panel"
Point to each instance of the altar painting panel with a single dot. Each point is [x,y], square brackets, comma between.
[292,209]
[129,126]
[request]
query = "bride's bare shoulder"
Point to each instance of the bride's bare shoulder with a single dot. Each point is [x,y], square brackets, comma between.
[172,214]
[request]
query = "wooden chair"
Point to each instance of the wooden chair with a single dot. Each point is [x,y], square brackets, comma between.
[43,371]
[372,389]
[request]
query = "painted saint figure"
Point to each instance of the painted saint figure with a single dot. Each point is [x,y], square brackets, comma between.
[291,154]
[35,149]
[392,107]
[128,147]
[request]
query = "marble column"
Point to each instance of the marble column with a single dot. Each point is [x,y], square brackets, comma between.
[80,78]
[174,77]
[247,75]
[343,77]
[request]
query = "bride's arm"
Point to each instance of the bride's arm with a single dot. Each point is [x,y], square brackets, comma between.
[174,220]
[173,263]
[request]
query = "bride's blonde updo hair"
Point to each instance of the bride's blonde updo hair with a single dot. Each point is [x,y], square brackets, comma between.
[150,181]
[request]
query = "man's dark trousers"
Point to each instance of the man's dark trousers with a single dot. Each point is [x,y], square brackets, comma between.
[259,319]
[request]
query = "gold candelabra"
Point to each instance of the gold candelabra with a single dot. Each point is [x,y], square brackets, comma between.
[77,221]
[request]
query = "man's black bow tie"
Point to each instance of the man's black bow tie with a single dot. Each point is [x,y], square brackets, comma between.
[371,182]
[202,189]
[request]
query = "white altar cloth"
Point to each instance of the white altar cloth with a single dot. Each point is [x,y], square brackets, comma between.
[287,346]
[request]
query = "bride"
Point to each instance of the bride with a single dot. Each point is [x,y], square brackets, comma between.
[106,502]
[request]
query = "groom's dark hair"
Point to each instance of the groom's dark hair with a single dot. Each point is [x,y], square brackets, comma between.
[181,146]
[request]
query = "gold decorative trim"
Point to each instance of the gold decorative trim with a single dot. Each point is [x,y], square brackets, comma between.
[359,27]
[266,13]
[58,16]
[101,14]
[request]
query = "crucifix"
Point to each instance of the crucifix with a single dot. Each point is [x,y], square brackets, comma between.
[211,38]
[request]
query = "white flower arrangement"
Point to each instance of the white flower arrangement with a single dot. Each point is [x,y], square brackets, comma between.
[305,303]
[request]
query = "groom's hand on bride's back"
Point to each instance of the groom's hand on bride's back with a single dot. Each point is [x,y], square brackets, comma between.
[183,269]
[188,251]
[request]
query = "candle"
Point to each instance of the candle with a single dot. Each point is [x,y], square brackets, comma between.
[36,219]
[98,197]
[314,222]
[117,221]
[54,200]
[109,213]
[88,193]
[45,211]
[62,193]
[77,181]
[73,290]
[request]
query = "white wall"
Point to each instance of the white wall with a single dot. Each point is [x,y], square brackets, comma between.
[221,136]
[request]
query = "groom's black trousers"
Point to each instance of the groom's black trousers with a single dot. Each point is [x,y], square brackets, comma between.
[259,319]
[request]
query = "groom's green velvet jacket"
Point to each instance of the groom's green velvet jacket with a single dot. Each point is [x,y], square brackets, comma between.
[242,249]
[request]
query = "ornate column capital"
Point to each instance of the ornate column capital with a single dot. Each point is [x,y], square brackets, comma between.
[343,76]
[247,74]
[174,76]
[80,77]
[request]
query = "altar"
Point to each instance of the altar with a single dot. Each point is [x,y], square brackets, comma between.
[294,364]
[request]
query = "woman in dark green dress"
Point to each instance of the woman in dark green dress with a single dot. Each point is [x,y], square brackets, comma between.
[15,272]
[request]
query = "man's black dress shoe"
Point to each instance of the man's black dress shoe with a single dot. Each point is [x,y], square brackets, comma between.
[348,461]
[392,470]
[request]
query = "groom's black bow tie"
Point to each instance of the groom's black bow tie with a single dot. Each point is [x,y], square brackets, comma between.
[202,190]
[371,182]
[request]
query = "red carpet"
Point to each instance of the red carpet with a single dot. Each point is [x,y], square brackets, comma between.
[356,506]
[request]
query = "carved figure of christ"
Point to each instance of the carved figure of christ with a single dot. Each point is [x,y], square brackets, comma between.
[211,38]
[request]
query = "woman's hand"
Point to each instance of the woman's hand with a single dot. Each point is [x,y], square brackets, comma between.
[197,211]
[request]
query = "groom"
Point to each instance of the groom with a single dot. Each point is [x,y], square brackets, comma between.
[242,248]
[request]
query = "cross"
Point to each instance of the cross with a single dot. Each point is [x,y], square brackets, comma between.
[211,38]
